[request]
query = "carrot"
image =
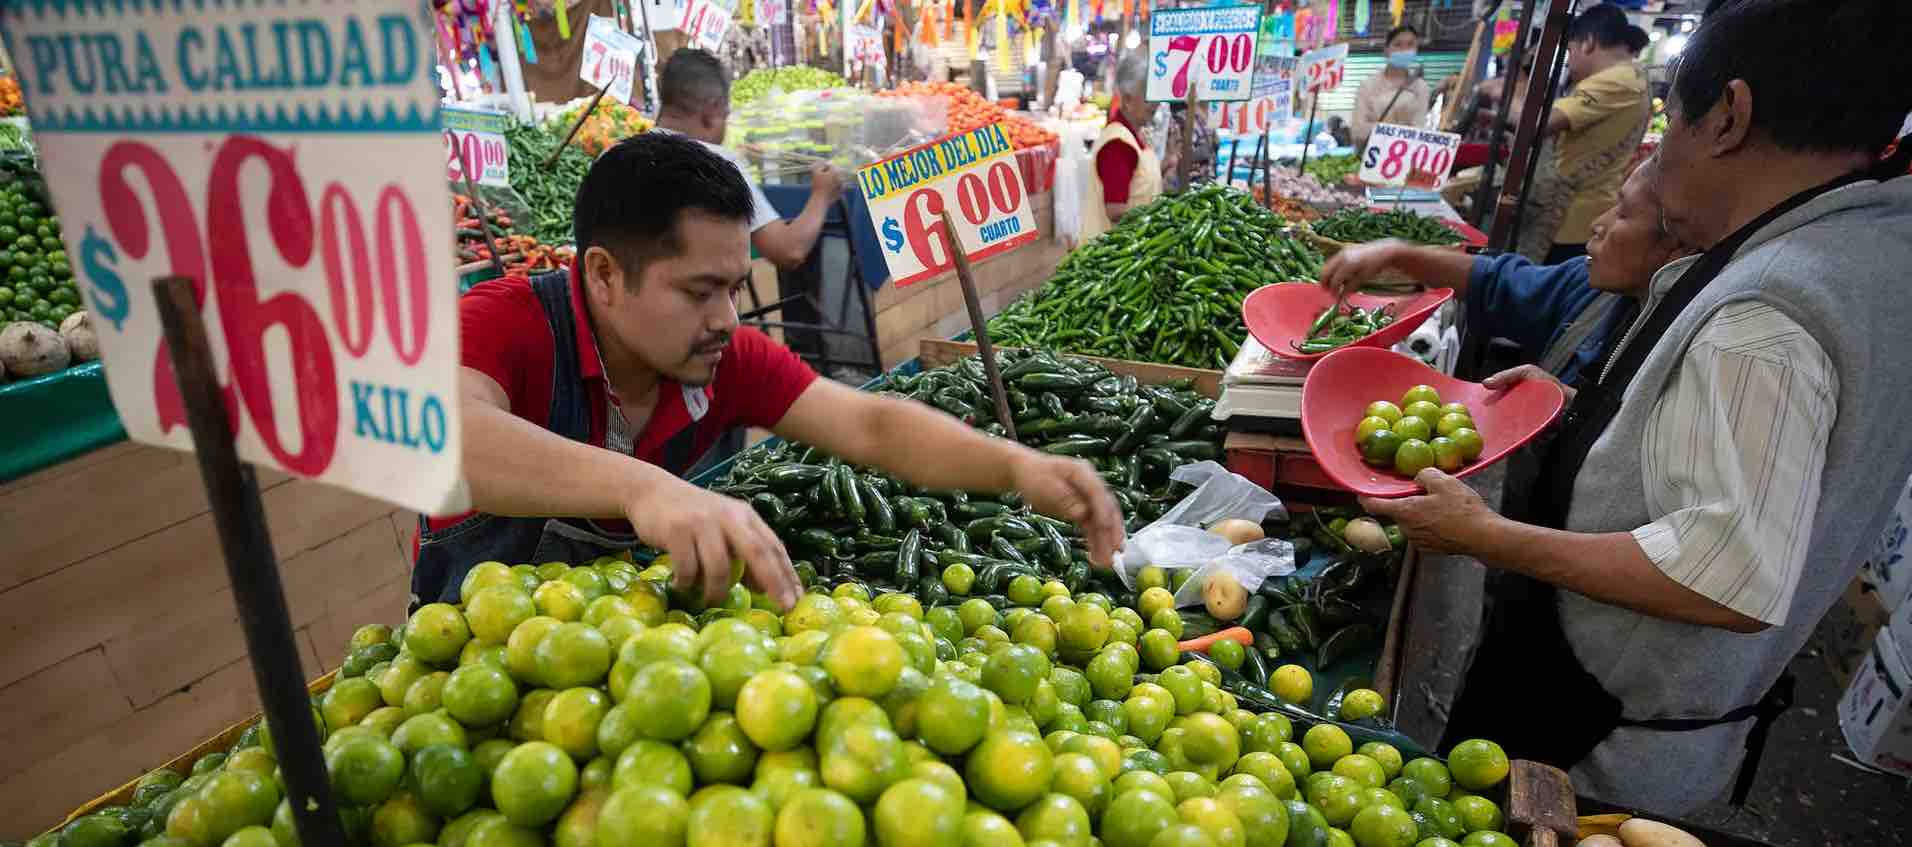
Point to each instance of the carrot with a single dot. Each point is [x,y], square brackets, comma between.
[1237,634]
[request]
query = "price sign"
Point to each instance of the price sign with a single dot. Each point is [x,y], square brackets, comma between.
[866,44]
[664,14]
[1406,156]
[300,188]
[772,12]
[705,23]
[1321,70]
[1212,49]
[609,58]
[973,175]
[1254,117]
[480,136]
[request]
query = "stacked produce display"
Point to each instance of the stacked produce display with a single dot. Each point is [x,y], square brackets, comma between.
[1356,225]
[548,191]
[1333,170]
[45,327]
[968,110]
[591,705]
[521,253]
[766,81]
[606,125]
[1164,285]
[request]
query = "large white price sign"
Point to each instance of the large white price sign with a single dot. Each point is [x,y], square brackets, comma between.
[705,23]
[475,147]
[609,58]
[1257,115]
[971,174]
[1211,49]
[1406,156]
[772,12]
[300,187]
[1322,70]
[866,44]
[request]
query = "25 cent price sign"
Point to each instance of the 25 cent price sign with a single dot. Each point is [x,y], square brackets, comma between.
[973,175]
[1322,69]
[297,179]
[1212,49]
[1404,156]
[479,138]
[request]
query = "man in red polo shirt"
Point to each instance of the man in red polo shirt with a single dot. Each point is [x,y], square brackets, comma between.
[587,394]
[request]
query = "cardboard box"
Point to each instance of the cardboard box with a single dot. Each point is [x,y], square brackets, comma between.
[1849,628]
[1887,573]
[1900,630]
[1876,712]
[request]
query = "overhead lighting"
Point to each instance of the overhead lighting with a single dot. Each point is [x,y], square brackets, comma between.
[1687,25]
[1134,40]
[1674,45]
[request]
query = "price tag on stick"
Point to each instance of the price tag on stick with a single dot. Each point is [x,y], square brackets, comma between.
[314,232]
[1404,156]
[1209,50]
[972,173]
[1322,69]
[609,58]
[475,139]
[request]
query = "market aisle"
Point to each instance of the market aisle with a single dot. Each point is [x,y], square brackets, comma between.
[1805,797]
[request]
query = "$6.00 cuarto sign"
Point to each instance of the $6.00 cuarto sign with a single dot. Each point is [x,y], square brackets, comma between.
[288,157]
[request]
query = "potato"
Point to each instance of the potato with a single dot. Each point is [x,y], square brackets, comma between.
[1598,841]
[1223,595]
[1237,531]
[29,349]
[1366,534]
[77,329]
[1639,832]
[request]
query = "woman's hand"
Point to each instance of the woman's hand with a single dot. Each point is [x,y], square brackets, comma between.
[1348,270]
[1509,378]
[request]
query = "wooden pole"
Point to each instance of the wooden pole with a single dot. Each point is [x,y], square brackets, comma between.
[1264,159]
[577,125]
[1515,55]
[978,324]
[1186,164]
[1469,74]
[251,566]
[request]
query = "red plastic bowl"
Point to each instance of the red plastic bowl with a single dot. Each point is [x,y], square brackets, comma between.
[1340,387]
[1281,313]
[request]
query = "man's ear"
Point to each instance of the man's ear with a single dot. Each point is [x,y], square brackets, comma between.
[1728,125]
[602,274]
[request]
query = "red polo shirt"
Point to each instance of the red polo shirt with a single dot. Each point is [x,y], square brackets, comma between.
[503,334]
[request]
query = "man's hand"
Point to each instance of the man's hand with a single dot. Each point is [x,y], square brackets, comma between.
[1351,268]
[826,180]
[1509,378]
[1070,490]
[703,532]
[1444,520]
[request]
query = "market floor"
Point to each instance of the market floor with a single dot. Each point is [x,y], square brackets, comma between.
[1804,797]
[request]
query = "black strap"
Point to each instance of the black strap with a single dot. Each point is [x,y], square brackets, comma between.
[569,414]
[1764,713]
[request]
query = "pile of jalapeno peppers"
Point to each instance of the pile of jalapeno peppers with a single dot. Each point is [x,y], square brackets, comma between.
[1165,285]
[1340,325]
[844,523]
[1361,225]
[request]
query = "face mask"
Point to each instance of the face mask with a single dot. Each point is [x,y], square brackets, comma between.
[1403,60]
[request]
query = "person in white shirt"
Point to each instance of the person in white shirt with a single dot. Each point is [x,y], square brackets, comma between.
[694,99]
[1714,484]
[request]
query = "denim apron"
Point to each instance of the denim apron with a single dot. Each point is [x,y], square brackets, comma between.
[446,555]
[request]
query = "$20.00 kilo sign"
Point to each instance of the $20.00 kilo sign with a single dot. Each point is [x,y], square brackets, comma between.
[971,174]
[289,159]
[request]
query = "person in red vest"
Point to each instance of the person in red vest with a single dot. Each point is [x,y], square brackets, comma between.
[588,393]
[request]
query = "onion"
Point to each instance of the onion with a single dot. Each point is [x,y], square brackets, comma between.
[1366,534]
[1237,530]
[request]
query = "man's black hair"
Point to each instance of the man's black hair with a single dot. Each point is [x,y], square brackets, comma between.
[1825,75]
[634,193]
[1401,29]
[692,80]
[1607,25]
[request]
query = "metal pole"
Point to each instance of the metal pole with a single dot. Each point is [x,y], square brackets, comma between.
[1533,153]
[1532,114]
[1484,195]
[250,565]
[1307,135]
[650,59]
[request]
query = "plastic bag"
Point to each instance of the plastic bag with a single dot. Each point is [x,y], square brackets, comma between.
[1250,564]
[1176,540]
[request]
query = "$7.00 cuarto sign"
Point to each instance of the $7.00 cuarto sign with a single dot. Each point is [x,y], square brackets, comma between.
[288,158]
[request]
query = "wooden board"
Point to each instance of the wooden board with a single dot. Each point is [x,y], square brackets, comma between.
[937,352]
[1386,667]
[183,762]
[1540,797]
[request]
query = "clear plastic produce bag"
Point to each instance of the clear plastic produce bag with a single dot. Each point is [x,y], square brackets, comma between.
[1177,541]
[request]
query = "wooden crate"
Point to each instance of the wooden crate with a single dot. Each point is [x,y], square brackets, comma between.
[937,352]
[183,762]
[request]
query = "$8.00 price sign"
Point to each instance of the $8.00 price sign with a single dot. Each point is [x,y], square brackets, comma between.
[1404,156]
[973,175]
[609,57]
[1212,49]
[300,189]
[480,137]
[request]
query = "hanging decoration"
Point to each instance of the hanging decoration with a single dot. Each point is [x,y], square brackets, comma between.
[1397,8]
[1362,12]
